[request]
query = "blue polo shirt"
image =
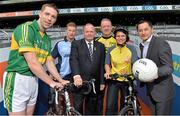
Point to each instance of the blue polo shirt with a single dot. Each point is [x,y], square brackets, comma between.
[62,52]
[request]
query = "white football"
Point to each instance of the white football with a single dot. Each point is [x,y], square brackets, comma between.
[145,70]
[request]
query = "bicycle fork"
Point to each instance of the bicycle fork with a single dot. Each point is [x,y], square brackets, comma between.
[132,100]
[67,102]
[135,105]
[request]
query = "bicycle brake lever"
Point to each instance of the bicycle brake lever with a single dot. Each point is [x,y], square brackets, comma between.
[56,97]
[92,82]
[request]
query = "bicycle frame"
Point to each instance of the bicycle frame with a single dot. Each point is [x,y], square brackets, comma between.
[69,109]
[131,100]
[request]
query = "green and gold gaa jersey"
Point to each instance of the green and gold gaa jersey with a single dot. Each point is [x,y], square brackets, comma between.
[28,38]
[107,41]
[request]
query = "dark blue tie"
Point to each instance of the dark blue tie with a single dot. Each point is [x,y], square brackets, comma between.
[141,48]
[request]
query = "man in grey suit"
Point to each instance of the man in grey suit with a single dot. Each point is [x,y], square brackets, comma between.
[87,62]
[161,91]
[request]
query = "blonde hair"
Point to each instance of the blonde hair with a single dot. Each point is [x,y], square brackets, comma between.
[71,24]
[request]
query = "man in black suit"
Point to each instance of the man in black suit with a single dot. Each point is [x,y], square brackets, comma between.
[87,62]
[161,91]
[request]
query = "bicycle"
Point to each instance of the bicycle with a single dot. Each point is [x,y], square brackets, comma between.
[57,108]
[132,105]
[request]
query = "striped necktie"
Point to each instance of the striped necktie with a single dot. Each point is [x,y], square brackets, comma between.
[90,50]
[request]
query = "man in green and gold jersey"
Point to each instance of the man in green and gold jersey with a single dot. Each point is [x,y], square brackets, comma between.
[30,50]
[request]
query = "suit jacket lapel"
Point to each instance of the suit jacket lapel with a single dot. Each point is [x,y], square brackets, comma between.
[95,51]
[150,47]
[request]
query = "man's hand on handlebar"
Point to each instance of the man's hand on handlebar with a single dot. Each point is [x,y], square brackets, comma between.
[64,82]
[77,80]
[56,85]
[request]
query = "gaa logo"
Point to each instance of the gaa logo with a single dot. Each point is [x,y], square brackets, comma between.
[136,74]
[142,62]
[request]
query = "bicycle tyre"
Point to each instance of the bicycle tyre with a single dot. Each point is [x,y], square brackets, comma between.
[128,110]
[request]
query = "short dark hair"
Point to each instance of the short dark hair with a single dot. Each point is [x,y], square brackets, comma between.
[52,5]
[122,30]
[144,21]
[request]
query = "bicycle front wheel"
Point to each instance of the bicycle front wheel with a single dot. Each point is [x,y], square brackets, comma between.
[128,110]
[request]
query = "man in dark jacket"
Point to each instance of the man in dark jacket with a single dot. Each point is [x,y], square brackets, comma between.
[161,91]
[87,62]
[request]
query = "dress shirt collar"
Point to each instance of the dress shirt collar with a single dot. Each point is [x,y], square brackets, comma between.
[147,41]
[92,42]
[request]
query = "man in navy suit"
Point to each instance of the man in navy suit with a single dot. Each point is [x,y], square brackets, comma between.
[87,62]
[161,91]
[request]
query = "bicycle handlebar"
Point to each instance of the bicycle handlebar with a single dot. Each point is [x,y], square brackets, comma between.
[86,84]
[127,76]
[89,83]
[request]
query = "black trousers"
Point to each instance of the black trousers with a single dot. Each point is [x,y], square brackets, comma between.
[100,98]
[112,97]
[90,105]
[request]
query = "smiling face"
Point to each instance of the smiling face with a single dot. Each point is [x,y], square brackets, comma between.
[47,17]
[106,27]
[144,31]
[120,38]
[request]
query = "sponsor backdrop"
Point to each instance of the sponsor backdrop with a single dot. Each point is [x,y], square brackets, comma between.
[42,104]
[105,9]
